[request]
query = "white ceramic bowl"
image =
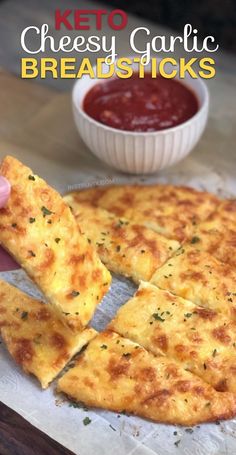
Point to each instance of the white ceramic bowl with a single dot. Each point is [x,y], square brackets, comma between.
[140,153]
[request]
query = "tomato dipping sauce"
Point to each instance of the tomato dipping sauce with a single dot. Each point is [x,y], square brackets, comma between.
[141,105]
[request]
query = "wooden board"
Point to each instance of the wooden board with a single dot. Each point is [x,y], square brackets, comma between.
[17,436]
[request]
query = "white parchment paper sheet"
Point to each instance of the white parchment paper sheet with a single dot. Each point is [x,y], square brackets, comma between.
[50,145]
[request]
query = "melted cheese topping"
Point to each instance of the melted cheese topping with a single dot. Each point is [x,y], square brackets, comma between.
[126,248]
[34,335]
[39,230]
[115,373]
[201,340]
[199,277]
[217,235]
[227,212]
[169,210]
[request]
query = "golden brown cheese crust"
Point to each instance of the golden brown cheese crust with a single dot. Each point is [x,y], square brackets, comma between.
[217,240]
[39,230]
[126,248]
[34,335]
[117,374]
[217,235]
[227,212]
[201,278]
[167,209]
[201,340]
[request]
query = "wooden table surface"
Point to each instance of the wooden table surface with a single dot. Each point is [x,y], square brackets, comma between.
[17,436]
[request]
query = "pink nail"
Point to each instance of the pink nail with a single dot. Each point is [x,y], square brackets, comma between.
[6,262]
[5,190]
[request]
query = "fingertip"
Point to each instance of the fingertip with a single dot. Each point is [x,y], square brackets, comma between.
[5,189]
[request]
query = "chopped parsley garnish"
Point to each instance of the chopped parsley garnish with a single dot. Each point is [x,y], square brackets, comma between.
[118,248]
[180,251]
[189,430]
[188,315]
[142,251]
[46,211]
[57,239]
[112,427]
[73,404]
[103,346]
[24,315]
[32,220]
[121,223]
[177,442]
[14,225]
[157,317]
[126,354]
[87,421]
[75,293]
[195,239]
[214,353]
[32,253]
[31,177]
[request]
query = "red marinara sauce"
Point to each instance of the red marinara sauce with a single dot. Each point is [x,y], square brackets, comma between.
[140,105]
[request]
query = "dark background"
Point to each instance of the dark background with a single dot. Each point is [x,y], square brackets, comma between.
[210,17]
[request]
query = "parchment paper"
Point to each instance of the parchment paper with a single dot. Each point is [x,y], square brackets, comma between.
[48,142]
